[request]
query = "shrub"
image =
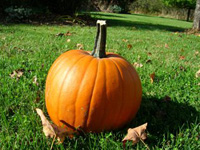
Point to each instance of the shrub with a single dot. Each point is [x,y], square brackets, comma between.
[147,6]
[116,9]
[18,13]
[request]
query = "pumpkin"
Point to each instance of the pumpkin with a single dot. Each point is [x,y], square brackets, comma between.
[94,91]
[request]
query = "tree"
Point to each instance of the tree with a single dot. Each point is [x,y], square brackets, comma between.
[187,4]
[105,5]
[196,23]
[68,7]
[63,6]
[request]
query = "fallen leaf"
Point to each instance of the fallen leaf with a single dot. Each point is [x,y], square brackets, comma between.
[148,61]
[68,33]
[198,84]
[196,53]
[197,74]
[135,135]
[166,45]
[179,35]
[35,80]
[129,46]
[152,76]
[37,99]
[51,130]
[42,66]
[124,40]
[17,73]
[68,40]
[79,46]
[149,53]
[47,127]
[182,68]
[60,34]
[175,32]
[137,65]
[181,57]
[64,34]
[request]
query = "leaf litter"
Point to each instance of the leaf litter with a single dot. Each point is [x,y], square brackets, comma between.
[17,73]
[197,75]
[136,135]
[35,80]
[79,46]
[52,131]
[129,46]
[152,76]
[137,65]
[68,33]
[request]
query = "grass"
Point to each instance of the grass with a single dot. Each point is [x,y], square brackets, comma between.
[158,43]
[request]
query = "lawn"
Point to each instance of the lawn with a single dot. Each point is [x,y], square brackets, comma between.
[170,104]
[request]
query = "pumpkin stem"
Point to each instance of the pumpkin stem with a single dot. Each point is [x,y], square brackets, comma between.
[99,50]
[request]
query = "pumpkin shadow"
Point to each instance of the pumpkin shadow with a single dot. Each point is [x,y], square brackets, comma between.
[164,116]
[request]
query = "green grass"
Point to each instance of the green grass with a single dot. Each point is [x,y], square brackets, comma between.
[173,124]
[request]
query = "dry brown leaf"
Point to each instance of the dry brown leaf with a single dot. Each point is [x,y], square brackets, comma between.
[166,45]
[13,74]
[136,134]
[79,46]
[35,80]
[37,99]
[17,73]
[148,61]
[51,130]
[181,57]
[182,68]
[129,46]
[47,127]
[197,74]
[196,53]
[42,66]
[152,76]
[68,33]
[64,34]
[60,34]
[175,32]
[137,65]
[149,53]
[125,40]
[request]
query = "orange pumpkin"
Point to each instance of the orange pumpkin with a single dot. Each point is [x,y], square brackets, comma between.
[96,92]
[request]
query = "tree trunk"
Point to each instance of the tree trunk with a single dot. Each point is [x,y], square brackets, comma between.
[196,23]
[188,14]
